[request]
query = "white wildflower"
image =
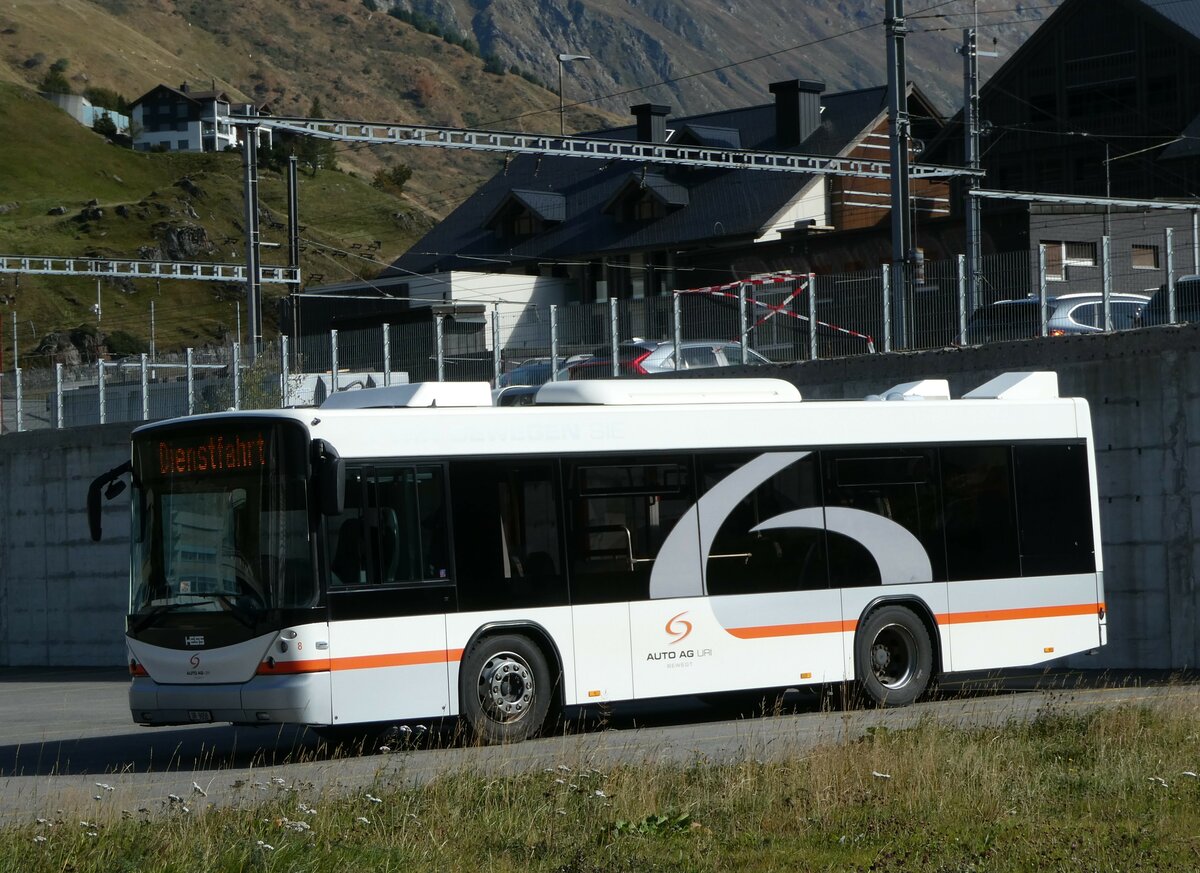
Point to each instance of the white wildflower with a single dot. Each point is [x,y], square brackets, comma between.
[879,775]
[362,819]
[374,799]
[1190,773]
[600,793]
[267,846]
[39,839]
[104,785]
[196,789]
[174,798]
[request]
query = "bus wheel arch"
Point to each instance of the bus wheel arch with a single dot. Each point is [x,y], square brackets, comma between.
[510,682]
[896,651]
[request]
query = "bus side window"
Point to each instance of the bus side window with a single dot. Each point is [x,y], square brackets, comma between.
[978,505]
[899,483]
[620,512]
[347,546]
[408,526]
[1054,518]
[743,560]
[508,551]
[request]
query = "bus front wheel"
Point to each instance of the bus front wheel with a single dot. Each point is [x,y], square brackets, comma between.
[505,688]
[893,656]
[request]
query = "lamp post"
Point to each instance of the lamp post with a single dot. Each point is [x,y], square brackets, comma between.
[562,59]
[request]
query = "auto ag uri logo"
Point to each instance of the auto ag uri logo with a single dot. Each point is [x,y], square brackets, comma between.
[678,627]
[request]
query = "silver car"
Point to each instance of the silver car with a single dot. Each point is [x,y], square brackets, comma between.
[1067,314]
[641,357]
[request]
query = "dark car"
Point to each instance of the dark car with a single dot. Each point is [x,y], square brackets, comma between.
[1067,314]
[1187,303]
[533,372]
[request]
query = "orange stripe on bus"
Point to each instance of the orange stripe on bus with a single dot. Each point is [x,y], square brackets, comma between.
[831,627]
[792,630]
[1020,613]
[362,662]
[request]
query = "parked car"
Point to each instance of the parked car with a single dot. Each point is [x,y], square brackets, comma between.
[1187,303]
[641,357]
[1068,314]
[532,372]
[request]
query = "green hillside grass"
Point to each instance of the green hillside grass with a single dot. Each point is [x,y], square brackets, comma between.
[51,161]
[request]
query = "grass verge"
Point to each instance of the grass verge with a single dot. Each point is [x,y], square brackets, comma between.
[1113,789]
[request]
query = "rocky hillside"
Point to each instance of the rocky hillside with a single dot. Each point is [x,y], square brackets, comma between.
[713,54]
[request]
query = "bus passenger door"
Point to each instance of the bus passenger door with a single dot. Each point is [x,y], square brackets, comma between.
[621,512]
[389,592]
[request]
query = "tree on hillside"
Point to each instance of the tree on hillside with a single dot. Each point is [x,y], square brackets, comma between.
[106,127]
[55,80]
[106,98]
[316,154]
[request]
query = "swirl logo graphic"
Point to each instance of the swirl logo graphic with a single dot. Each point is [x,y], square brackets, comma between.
[194,660]
[678,627]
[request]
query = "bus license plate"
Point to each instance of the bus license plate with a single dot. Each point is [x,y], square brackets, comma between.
[199,715]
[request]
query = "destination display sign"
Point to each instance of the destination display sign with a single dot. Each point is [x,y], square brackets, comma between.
[198,455]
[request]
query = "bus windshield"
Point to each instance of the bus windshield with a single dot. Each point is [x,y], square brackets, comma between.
[221,520]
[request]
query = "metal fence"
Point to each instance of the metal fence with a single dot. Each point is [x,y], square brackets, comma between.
[1060,288]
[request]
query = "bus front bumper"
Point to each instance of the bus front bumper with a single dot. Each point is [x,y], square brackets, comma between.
[298,699]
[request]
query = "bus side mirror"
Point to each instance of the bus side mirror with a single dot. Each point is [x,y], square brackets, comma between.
[330,479]
[111,479]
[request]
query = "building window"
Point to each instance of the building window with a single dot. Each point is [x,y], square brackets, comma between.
[183,145]
[1061,254]
[1144,257]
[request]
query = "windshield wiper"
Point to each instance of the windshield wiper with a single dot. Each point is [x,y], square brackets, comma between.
[243,617]
[155,611]
[247,618]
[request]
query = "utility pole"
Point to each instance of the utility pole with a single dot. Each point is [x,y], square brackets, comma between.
[972,207]
[253,279]
[294,248]
[899,134]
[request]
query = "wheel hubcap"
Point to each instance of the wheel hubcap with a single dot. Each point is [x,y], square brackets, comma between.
[893,656]
[506,687]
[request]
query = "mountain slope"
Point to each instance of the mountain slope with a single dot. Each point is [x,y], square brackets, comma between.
[638,43]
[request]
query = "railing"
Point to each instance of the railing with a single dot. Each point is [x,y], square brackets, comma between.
[1062,288]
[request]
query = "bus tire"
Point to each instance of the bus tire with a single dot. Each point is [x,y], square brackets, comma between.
[893,656]
[505,689]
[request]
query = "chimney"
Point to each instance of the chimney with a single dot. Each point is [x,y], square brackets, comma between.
[651,121]
[797,111]
[183,87]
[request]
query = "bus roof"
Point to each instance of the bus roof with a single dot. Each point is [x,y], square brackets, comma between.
[604,416]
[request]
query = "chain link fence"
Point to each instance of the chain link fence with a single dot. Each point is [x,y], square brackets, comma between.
[1060,288]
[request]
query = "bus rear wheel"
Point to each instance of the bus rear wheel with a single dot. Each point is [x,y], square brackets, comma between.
[893,656]
[505,689]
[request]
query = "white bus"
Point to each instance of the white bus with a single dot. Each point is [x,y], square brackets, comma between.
[412,552]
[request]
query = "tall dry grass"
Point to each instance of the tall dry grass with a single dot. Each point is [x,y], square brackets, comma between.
[1111,789]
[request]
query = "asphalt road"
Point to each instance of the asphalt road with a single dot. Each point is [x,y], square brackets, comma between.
[66,741]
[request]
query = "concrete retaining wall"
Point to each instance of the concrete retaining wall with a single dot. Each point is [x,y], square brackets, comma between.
[62,597]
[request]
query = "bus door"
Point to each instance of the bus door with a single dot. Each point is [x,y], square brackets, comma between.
[389,592]
[622,511]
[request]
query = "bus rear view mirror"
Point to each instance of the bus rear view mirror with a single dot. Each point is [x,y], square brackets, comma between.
[112,485]
[330,478]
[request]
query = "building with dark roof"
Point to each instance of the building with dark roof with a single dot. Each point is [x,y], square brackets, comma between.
[1102,100]
[625,229]
[182,119]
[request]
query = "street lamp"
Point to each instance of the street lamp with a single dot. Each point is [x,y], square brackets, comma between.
[562,59]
